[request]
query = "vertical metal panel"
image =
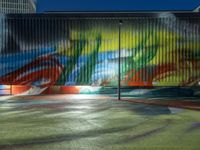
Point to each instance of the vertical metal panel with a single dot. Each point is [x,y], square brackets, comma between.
[162,51]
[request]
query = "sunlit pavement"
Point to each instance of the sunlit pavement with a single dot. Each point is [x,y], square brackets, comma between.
[96,122]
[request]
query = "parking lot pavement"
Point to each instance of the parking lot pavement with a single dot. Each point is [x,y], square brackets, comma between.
[92,122]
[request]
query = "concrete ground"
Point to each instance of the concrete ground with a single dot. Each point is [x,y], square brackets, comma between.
[94,123]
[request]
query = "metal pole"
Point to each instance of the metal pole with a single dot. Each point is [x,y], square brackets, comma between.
[11,89]
[119,62]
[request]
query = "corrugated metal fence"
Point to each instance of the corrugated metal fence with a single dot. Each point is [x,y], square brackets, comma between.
[46,51]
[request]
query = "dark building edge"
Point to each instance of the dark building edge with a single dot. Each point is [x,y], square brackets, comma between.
[105,14]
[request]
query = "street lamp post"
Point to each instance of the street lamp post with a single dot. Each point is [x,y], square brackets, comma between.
[119,61]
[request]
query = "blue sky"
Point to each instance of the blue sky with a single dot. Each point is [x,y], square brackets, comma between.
[115,5]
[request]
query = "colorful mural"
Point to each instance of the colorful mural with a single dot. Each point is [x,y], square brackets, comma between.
[48,51]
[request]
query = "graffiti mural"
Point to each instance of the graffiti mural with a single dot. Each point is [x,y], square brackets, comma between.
[46,51]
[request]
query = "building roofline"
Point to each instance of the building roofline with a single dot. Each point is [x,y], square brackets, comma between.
[33,4]
[197,9]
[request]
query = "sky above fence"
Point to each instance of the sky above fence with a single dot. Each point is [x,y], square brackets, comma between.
[116,5]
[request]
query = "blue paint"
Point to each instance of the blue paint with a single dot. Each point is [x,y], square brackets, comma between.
[25,58]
